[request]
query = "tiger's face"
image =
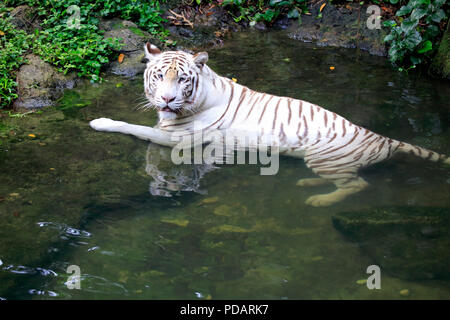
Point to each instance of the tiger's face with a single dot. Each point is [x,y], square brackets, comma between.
[171,80]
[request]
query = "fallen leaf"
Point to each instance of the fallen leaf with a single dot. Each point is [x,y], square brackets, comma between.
[234,79]
[208,200]
[14,194]
[2,33]
[322,6]
[52,169]
[32,135]
[121,56]
[361,281]
[332,68]
[404,292]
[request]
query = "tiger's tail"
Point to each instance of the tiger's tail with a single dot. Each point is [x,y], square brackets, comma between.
[426,154]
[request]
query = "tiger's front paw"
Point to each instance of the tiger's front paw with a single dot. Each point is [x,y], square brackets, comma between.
[106,124]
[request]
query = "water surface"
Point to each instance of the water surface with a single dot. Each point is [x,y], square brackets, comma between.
[73,196]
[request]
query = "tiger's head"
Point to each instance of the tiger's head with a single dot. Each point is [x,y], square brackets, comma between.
[171,81]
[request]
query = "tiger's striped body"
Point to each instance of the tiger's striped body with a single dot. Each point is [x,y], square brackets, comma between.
[187,91]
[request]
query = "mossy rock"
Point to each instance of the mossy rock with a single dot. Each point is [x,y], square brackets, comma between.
[441,62]
[409,243]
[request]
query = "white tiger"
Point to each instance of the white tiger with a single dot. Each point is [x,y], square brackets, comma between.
[185,91]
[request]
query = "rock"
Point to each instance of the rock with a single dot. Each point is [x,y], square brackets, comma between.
[440,65]
[39,84]
[130,36]
[340,27]
[133,40]
[407,242]
[132,65]
[260,26]
[208,28]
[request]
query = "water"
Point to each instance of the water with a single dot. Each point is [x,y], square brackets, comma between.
[72,196]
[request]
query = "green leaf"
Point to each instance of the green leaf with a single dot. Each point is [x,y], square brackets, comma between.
[293,13]
[415,60]
[438,16]
[393,1]
[269,15]
[389,38]
[408,25]
[403,10]
[274,2]
[418,13]
[412,40]
[395,53]
[431,32]
[427,46]
[417,3]
[389,23]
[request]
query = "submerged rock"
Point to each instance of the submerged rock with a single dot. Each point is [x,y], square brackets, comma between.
[407,242]
[39,84]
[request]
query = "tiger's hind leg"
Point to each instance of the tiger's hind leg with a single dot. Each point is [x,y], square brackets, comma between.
[345,188]
[313,182]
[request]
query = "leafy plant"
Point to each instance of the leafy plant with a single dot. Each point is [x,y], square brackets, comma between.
[413,36]
[263,10]
[82,48]
[13,44]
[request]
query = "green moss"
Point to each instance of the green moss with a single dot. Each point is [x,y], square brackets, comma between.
[137,31]
[441,62]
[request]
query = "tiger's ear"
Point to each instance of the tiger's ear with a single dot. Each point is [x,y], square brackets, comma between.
[151,51]
[200,59]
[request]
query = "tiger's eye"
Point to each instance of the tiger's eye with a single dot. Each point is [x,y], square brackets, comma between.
[160,76]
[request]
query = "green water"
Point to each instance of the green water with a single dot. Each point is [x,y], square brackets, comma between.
[73,196]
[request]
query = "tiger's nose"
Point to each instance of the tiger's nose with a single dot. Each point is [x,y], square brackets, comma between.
[168,99]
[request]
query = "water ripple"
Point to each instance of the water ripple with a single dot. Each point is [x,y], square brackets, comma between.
[30,270]
[65,229]
[42,292]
